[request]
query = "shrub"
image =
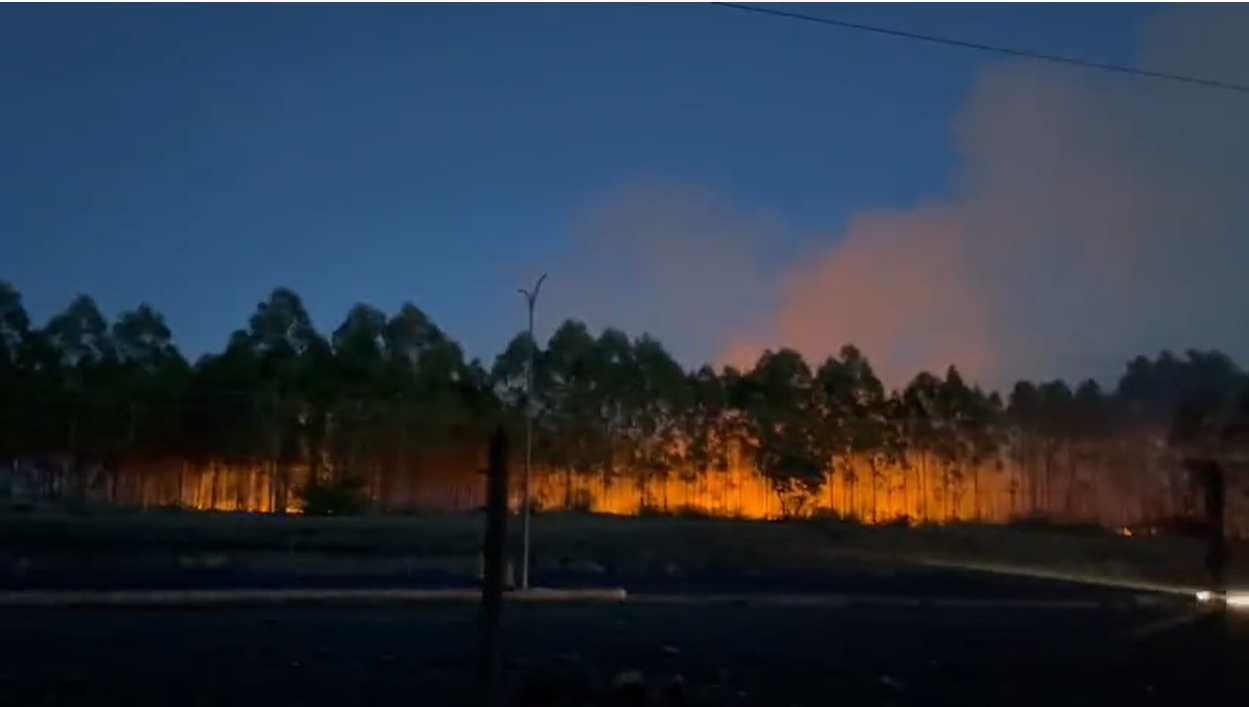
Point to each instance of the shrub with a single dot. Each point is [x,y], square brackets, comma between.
[581,501]
[342,495]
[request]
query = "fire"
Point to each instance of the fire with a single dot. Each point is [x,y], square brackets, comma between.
[921,492]
[741,492]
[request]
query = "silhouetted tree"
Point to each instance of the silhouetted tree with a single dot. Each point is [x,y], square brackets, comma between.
[114,412]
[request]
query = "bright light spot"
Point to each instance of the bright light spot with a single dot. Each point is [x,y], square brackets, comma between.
[1125,532]
[1239,600]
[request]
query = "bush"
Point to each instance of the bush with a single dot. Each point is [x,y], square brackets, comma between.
[580,501]
[835,517]
[901,520]
[687,510]
[343,495]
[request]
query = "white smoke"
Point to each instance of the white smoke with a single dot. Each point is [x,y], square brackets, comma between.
[1094,218]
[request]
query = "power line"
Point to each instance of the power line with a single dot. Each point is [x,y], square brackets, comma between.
[1007,51]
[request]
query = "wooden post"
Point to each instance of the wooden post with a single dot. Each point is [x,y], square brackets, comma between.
[1216,539]
[493,554]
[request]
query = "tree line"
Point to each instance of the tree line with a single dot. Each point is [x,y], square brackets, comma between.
[389,408]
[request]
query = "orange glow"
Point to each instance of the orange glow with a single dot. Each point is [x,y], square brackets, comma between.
[923,492]
[738,492]
[741,492]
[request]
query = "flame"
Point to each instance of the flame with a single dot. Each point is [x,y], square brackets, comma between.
[888,495]
[921,492]
[881,497]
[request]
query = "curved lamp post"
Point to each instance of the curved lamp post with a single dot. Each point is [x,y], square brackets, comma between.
[531,298]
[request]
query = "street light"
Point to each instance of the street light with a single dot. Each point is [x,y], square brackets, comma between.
[531,298]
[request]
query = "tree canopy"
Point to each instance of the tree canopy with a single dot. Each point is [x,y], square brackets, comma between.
[112,411]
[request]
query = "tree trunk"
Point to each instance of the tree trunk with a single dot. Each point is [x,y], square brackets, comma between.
[871,469]
[975,491]
[212,486]
[851,512]
[1072,480]
[923,486]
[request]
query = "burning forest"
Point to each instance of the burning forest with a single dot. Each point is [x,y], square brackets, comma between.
[388,410]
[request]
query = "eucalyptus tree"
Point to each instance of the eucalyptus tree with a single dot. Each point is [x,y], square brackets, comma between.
[432,391]
[81,351]
[706,421]
[785,429]
[282,340]
[506,383]
[150,377]
[577,420]
[982,434]
[949,443]
[1087,434]
[1022,422]
[853,405]
[391,397]
[656,401]
[360,391]
[922,430]
[223,426]
[617,400]
[20,383]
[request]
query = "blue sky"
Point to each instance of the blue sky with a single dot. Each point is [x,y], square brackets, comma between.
[196,156]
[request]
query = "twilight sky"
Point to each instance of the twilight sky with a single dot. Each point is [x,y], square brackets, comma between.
[725,181]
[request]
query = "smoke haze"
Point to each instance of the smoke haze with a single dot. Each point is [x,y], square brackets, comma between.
[1092,218]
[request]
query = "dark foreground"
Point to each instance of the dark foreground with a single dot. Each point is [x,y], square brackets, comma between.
[848,577]
[749,655]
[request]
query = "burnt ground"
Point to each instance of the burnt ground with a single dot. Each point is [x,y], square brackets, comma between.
[751,654]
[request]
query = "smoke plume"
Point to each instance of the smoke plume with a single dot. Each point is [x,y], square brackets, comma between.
[1092,218]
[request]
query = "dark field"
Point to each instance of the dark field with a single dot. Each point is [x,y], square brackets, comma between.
[748,655]
[911,635]
[889,580]
[157,549]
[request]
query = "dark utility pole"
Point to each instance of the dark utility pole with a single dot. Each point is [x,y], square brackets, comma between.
[1215,486]
[494,553]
